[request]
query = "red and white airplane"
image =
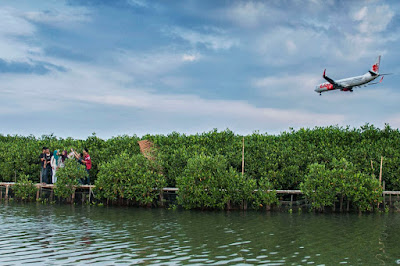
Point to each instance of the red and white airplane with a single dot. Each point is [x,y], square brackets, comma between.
[348,84]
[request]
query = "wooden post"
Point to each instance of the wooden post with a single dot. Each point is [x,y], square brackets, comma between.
[6,192]
[90,193]
[243,158]
[291,200]
[73,197]
[161,198]
[38,192]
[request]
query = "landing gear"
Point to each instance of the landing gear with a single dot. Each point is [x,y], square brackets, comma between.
[320,94]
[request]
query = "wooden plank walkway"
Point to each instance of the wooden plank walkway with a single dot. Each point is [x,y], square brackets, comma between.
[39,186]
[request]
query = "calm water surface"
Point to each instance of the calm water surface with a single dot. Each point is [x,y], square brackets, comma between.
[63,234]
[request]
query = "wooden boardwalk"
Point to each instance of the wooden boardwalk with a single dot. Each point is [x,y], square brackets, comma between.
[90,188]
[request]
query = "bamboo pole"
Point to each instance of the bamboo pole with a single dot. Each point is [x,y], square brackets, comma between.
[380,171]
[243,158]
[380,182]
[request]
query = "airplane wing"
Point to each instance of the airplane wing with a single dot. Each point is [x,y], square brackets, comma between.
[331,81]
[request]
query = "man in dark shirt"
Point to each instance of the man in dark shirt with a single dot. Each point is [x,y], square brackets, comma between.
[47,167]
[42,160]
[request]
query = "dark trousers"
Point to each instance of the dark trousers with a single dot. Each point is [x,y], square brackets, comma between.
[47,172]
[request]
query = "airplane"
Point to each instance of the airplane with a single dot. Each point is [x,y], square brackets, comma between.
[348,84]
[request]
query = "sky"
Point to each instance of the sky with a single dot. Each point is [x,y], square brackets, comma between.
[75,67]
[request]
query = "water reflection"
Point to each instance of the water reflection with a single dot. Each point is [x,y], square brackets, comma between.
[63,234]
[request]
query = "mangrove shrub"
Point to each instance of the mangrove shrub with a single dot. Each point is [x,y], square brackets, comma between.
[324,185]
[68,178]
[209,182]
[131,177]
[24,188]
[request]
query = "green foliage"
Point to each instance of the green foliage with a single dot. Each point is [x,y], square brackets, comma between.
[265,194]
[24,189]
[285,160]
[205,183]
[131,177]
[68,178]
[209,182]
[318,185]
[325,183]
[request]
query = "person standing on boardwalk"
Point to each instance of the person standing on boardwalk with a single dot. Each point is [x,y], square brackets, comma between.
[55,164]
[47,167]
[42,160]
[88,162]
[63,157]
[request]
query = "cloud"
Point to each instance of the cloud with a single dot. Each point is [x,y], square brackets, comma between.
[137,3]
[12,24]
[89,85]
[19,42]
[285,45]
[152,64]
[284,85]
[189,57]
[251,14]
[212,39]
[374,19]
[12,27]
[60,17]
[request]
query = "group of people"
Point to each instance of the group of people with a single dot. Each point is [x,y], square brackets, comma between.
[51,162]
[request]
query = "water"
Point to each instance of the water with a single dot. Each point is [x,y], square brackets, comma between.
[63,234]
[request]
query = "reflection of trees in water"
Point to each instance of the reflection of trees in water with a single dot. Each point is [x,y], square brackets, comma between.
[159,235]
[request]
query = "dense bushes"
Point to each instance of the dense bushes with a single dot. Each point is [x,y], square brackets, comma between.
[210,182]
[281,161]
[24,189]
[68,178]
[131,177]
[326,184]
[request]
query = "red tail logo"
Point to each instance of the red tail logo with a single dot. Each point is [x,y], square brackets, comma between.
[375,68]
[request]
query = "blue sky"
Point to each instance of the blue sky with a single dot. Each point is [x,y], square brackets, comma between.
[135,67]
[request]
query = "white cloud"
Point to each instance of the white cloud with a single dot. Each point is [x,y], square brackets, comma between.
[373,19]
[88,84]
[152,64]
[60,17]
[251,14]
[287,83]
[15,24]
[12,24]
[213,39]
[189,57]
[12,27]
[138,3]
[284,45]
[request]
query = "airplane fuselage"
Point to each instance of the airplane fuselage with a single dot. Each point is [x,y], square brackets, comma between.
[347,84]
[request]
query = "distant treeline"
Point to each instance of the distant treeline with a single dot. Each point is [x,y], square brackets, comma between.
[277,161]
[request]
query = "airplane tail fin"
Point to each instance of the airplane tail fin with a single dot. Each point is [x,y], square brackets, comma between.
[375,67]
